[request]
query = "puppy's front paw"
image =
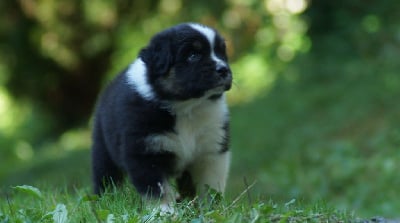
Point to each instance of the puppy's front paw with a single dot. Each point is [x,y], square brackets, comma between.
[166,209]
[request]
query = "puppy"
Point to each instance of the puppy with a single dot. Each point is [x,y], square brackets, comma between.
[165,117]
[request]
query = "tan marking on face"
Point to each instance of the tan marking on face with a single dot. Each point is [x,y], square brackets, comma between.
[169,82]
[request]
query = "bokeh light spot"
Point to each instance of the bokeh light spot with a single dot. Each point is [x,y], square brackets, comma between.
[23,150]
[371,24]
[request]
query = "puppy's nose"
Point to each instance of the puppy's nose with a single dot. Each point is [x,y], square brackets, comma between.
[222,70]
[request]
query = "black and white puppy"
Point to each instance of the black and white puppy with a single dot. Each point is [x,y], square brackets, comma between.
[165,117]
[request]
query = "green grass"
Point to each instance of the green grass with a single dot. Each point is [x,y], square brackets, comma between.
[26,204]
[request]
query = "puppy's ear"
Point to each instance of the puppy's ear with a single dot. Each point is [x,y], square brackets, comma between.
[158,55]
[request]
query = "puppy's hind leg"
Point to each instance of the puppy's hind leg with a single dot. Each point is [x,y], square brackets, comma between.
[104,172]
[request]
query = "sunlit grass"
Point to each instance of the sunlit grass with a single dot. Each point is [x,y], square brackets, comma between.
[31,204]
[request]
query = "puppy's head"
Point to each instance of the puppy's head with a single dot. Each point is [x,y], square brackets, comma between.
[187,61]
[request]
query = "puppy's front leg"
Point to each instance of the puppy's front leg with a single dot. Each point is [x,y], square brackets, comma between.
[211,170]
[149,174]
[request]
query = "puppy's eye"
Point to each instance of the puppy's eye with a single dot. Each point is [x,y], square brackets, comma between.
[194,57]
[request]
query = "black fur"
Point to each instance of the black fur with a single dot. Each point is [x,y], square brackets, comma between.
[118,135]
[185,185]
[171,49]
[124,118]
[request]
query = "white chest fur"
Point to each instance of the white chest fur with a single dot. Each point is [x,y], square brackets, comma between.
[198,130]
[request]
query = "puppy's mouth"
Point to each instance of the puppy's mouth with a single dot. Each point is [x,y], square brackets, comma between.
[224,84]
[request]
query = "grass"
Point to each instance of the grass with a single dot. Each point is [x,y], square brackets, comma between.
[29,204]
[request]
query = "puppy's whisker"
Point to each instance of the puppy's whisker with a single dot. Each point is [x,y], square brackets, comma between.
[235,84]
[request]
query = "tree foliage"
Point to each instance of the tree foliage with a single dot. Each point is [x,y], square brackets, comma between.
[57,53]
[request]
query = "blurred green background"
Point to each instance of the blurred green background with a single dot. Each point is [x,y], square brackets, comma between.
[315,107]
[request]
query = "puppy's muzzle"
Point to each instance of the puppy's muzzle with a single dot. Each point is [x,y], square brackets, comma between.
[222,70]
[224,73]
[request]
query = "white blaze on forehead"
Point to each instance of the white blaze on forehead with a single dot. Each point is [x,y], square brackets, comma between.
[206,31]
[137,77]
[210,35]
